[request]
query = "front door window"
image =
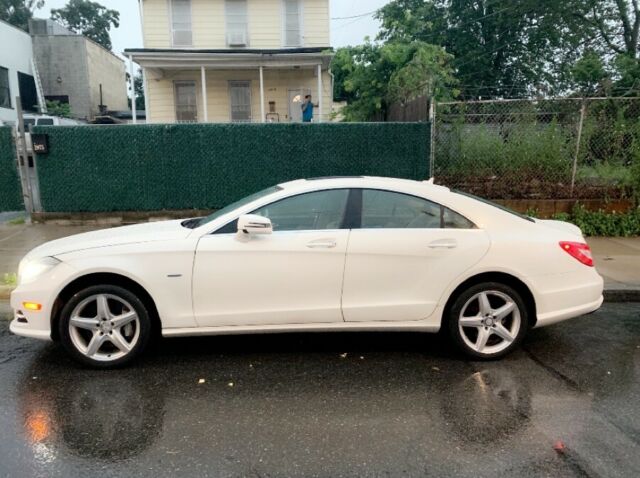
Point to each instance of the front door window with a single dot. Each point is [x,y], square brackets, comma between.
[314,211]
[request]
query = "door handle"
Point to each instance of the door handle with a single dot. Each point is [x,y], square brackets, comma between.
[444,244]
[322,244]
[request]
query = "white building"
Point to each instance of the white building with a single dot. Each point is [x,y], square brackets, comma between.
[16,74]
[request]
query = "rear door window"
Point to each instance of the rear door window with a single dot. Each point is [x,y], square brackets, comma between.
[392,210]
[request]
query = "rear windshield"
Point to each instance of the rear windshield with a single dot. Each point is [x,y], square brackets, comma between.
[45,121]
[496,205]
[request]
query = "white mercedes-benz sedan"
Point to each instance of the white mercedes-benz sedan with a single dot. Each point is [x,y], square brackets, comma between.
[327,254]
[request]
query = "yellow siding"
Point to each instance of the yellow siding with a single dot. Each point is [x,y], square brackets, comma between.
[265,23]
[160,101]
[316,23]
[156,32]
[208,23]
[277,85]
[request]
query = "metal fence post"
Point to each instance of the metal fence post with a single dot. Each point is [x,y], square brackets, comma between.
[23,160]
[583,109]
[432,140]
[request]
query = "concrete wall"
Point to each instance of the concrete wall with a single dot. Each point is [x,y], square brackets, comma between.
[277,83]
[62,65]
[108,70]
[264,23]
[75,66]
[15,55]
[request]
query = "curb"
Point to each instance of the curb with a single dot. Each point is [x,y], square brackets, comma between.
[622,295]
[5,292]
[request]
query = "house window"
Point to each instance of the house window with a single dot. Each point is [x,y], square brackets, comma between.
[292,30]
[28,93]
[240,99]
[186,106]
[181,22]
[5,92]
[236,11]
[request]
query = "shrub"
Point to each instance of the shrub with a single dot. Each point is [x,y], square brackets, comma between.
[600,223]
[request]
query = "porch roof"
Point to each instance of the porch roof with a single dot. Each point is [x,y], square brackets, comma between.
[229,58]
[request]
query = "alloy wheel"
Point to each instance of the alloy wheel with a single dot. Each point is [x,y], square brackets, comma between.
[104,327]
[489,322]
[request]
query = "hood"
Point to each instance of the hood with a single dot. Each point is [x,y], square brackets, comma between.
[561,226]
[147,232]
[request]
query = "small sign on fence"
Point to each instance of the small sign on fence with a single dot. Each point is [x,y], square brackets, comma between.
[40,143]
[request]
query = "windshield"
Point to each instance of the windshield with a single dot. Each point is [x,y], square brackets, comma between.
[496,205]
[236,205]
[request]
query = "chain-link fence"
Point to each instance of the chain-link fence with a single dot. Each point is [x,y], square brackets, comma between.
[206,166]
[555,148]
[10,196]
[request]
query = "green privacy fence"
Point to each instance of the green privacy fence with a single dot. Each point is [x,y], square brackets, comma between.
[206,166]
[10,195]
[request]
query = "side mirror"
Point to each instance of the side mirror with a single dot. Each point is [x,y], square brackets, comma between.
[254,224]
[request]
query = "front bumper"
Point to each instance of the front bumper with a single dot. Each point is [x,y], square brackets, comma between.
[44,290]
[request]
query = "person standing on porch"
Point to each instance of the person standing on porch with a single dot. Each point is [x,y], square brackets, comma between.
[307,109]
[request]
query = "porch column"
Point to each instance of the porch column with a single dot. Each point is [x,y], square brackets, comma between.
[320,93]
[205,106]
[262,113]
[134,114]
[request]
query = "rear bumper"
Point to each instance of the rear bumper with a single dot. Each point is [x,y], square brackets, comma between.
[564,296]
[569,313]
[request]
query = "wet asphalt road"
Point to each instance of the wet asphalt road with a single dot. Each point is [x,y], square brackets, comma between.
[295,405]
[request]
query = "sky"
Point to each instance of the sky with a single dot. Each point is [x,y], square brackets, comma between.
[350,31]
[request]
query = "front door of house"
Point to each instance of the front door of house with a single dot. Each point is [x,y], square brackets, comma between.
[296,98]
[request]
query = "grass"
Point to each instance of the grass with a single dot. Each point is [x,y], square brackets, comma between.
[10,279]
[600,223]
[605,172]
[18,221]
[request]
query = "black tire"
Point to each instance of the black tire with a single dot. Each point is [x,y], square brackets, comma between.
[144,324]
[452,319]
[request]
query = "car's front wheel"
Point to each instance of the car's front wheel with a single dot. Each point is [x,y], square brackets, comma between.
[488,320]
[104,326]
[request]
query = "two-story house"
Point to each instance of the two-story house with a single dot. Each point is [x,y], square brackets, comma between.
[234,60]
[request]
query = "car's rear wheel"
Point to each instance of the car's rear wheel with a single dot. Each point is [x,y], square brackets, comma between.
[104,326]
[488,320]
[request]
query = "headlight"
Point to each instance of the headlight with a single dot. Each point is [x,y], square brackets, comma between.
[28,271]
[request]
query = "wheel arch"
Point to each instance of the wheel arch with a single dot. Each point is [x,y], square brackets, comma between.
[503,278]
[103,278]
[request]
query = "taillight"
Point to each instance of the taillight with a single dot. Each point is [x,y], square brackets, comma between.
[578,250]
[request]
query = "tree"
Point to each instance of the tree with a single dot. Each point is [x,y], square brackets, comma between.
[612,27]
[138,86]
[371,76]
[56,108]
[615,22]
[589,74]
[19,12]
[88,18]
[500,47]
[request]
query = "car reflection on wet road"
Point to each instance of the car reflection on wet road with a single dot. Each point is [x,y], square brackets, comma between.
[330,405]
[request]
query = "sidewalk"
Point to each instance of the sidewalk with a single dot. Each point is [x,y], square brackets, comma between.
[617,259]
